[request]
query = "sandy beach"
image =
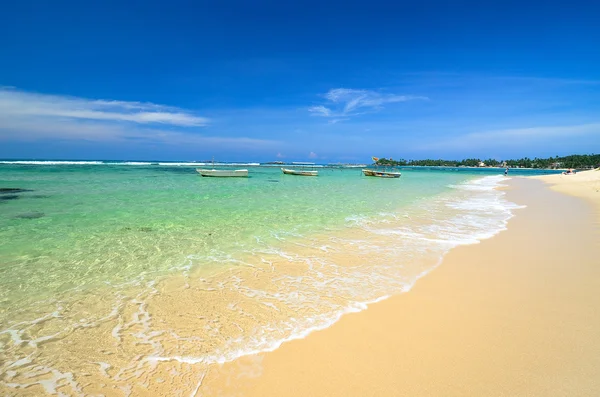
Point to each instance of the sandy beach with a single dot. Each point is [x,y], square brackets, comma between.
[585,184]
[516,315]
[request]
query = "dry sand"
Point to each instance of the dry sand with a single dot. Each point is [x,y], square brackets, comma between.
[516,315]
[585,184]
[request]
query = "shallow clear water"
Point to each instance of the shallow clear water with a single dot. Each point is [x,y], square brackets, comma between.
[113,223]
[113,253]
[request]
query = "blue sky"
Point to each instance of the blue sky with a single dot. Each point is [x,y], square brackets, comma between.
[327,81]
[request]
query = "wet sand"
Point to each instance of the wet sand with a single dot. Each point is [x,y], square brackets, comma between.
[516,315]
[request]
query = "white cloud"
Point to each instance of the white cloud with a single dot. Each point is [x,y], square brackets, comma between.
[312,155]
[345,102]
[20,104]
[335,121]
[320,111]
[72,130]
[280,156]
[30,117]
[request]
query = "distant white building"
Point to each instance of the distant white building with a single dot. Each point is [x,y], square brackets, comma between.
[481,164]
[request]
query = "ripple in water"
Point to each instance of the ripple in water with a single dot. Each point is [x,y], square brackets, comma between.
[128,335]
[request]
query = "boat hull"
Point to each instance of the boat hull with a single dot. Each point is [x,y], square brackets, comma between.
[381,174]
[223,173]
[301,173]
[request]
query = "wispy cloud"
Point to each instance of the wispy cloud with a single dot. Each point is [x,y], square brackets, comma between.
[345,102]
[548,136]
[570,131]
[320,111]
[16,104]
[31,130]
[31,117]
[335,121]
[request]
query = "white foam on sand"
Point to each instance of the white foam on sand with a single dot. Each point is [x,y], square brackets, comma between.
[477,215]
[467,214]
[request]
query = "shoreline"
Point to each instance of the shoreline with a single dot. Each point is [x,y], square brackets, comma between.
[190,305]
[339,353]
[193,163]
[351,307]
[217,372]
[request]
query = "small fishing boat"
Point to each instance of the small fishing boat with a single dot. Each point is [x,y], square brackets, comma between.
[299,172]
[223,173]
[381,174]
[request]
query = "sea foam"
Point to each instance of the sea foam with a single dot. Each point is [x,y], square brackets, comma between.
[478,215]
[279,289]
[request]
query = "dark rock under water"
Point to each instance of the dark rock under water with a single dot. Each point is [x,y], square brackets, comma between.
[9,197]
[30,215]
[5,190]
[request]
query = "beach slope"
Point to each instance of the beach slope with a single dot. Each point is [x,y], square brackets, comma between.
[516,315]
[584,184]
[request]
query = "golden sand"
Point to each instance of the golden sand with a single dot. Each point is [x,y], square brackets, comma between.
[161,338]
[585,184]
[516,315]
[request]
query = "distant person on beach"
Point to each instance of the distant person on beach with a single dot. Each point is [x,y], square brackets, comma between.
[506,171]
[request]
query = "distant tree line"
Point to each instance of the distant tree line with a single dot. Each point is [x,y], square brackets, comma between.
[580,161]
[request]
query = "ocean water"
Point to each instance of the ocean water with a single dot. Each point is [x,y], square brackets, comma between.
[116,277]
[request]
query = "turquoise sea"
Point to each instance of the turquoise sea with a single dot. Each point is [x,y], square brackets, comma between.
[118,275]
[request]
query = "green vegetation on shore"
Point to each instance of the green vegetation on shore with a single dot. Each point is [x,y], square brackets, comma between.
[579,161]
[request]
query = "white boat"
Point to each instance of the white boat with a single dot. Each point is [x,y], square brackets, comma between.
[299,172]
[223,173]
[381,174]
